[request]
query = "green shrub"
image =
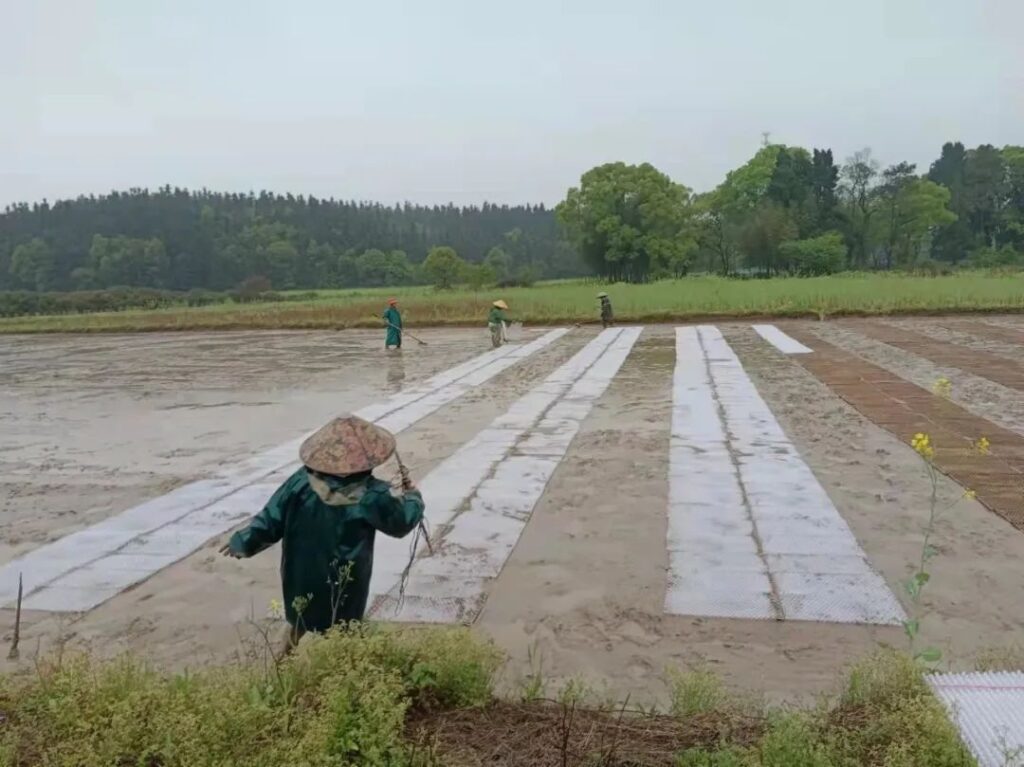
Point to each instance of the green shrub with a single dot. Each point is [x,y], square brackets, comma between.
[794,740]
[24,303]
[815,256]
[994,258]
[887,715]
[697,691]
[341,700]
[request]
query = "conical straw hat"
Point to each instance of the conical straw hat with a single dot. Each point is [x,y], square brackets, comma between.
[501,304]
[347,445]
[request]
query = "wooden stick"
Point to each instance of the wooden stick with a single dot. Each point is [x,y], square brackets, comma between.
[13,652]
[406,484]
[406,332]
[421,531]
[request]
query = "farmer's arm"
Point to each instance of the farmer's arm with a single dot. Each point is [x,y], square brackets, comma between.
[267,527]
[394,515]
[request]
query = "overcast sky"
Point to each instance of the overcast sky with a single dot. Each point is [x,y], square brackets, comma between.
[468,100]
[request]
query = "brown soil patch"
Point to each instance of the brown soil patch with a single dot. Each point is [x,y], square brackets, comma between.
[988,332]
[541,734]
[906,409]
[985,364]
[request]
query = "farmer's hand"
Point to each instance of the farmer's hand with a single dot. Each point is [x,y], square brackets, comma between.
[227,552]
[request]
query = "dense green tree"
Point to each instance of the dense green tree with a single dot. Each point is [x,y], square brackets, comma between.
[952,242]
[377,268]
[792,178]
[766,230]
[400,269]
[895,179]
[498,261]
[916,209]
[824,182]
[477,276]
[319,267]
[986,191]
[629,220]
[745,187]
[718,236]
[859,177]
[443,267]
[32,263]
[128,261]
[1012,223]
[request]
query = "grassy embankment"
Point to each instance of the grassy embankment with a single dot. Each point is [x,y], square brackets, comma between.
[425,697]
[566,302]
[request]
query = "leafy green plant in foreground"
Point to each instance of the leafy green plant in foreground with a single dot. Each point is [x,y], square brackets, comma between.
[348,699]
[343,700]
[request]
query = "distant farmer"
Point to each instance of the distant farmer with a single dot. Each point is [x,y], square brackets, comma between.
[607,318]
[496,322]
[394,325]
[327,515]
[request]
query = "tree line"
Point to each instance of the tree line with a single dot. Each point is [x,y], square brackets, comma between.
[785,211]
[178,239]
[790,211]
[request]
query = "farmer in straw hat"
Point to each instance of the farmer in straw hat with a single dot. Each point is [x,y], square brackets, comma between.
[496,322]
[606,309]
[327,515]
[394,325]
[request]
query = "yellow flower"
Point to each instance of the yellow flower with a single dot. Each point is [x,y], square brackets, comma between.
[982,446]
[943,387]
[276,610]
[970,494]
[923,445]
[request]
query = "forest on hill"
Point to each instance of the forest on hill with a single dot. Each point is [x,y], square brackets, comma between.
[786,211]
[180,239]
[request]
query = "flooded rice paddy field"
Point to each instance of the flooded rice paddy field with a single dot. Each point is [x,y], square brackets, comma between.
[610,503]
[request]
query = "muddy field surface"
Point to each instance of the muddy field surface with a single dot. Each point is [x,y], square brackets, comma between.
[94,426]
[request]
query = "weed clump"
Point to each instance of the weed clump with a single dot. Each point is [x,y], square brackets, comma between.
[423,698]
[342,700]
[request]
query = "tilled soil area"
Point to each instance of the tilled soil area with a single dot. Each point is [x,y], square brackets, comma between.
[995,476]
[94,426]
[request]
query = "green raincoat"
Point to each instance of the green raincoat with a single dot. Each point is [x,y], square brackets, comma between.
[327,526]
[496,323]
[394,336]
[496,316]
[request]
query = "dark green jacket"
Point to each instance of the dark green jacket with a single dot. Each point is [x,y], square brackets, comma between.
[496,315]
[327,546]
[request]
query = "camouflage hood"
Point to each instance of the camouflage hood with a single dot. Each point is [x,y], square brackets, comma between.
[337,491]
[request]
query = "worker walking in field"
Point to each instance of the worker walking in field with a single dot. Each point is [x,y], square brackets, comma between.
[496,320]
[394,325]
[607,318]
[327,515]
